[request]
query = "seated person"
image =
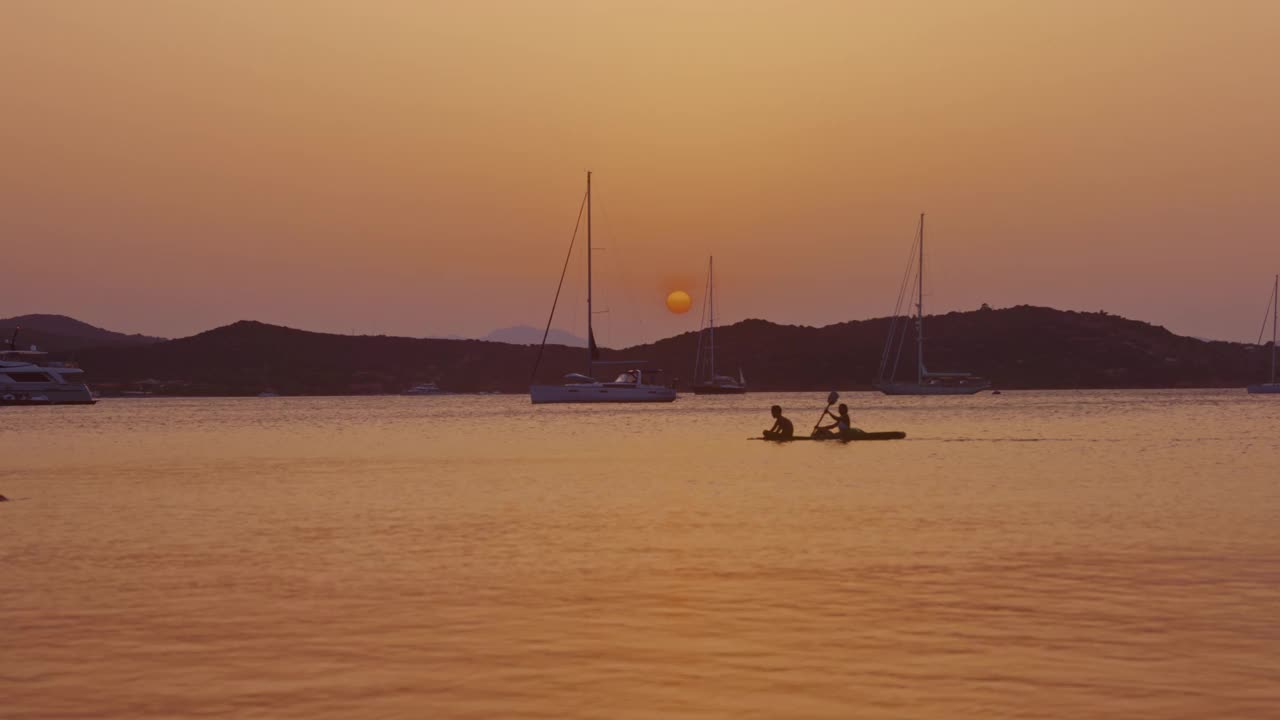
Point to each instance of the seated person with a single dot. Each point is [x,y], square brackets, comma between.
[842,425]
[782,428]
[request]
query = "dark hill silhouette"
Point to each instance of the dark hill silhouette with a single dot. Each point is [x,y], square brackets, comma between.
[246,357]
[59,333]
[1019,347]
[527,335]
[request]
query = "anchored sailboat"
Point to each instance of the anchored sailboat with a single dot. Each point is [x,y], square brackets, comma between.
[632,385]
[926,383]
[713,384]
[1273,387]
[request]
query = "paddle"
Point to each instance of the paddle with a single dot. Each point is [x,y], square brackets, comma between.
[831,400]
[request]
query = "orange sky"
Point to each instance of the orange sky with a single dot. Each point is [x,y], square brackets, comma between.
[415,168]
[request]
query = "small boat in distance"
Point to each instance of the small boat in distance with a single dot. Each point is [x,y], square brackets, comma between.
[633,385]
[425,389]
[926,382]
[713,384]
[1273,387]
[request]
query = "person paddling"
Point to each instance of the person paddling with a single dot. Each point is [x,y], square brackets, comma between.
[840,427]
[782,428]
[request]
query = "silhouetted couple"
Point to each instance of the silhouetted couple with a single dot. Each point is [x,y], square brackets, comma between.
[783,429]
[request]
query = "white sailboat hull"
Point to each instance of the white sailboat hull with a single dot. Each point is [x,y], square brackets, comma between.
[600,393]
[713,388]
[910,388]
[1265,389]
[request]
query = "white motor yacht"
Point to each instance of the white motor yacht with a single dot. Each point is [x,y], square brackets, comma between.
[25,379]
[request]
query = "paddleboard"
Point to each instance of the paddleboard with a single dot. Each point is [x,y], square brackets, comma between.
[850,437]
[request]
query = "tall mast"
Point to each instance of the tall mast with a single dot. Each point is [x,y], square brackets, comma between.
[711,298]
[591,340]
[919,308]
[1275,307]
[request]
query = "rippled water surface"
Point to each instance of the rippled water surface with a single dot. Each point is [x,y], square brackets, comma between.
[1057,555]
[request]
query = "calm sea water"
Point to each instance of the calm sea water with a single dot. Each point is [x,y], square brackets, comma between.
[1055,555]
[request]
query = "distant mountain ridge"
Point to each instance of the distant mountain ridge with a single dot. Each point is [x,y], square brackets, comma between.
[527,335]
[1023,347]
[59,333]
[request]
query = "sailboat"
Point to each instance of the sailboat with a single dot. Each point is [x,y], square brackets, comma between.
[713,384]
[1273,387]
[926,382]
[633,384]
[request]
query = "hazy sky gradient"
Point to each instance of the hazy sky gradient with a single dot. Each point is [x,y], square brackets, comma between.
[415,168]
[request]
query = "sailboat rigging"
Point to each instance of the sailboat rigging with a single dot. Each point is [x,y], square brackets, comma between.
[1273,387]
[630,386]
[926,382]
[711,383]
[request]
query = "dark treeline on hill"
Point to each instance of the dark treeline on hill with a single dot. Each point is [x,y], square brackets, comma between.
[59,333]
[1019,347]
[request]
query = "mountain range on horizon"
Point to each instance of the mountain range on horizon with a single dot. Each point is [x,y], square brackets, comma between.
[529,335]
[1019,347]
[59,333]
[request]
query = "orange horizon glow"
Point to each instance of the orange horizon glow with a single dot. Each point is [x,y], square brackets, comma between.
[339,167]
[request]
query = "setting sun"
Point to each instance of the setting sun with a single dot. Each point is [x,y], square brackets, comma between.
[679,302]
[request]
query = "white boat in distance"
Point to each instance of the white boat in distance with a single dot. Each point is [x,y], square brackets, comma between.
[926,383]
[1273,387]
[425,389]
[26,381]
[632,385]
